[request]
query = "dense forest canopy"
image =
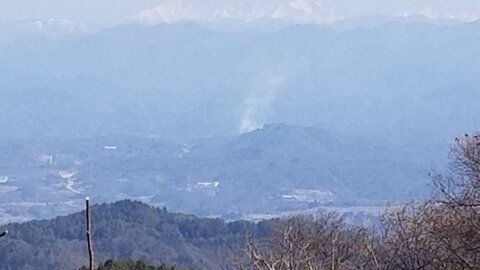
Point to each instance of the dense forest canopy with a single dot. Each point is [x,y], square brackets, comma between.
[125,230]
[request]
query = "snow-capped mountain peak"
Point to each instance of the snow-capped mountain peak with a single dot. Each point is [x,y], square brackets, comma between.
[300,11]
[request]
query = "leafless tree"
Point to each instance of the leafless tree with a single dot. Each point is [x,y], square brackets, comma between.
[442,233]
[307,243]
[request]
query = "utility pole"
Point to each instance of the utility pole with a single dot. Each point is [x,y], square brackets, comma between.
[89,233]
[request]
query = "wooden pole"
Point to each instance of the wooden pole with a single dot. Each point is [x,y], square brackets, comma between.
[89,233]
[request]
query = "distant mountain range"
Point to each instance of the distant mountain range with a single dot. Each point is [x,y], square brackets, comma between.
[51,27]
[293,11]
[408,83]
[299,11]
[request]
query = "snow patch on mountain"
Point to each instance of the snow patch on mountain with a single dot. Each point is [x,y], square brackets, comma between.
[53,26]
[436,14]
[298,11]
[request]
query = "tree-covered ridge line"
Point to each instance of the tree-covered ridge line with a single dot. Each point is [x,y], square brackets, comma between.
[126,230]
[131,265]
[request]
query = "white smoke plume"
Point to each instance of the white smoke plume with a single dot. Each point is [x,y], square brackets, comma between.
[259,103]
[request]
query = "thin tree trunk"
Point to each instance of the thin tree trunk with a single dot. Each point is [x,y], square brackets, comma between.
[89,233]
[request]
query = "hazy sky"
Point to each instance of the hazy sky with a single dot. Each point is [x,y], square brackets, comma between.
[101,11]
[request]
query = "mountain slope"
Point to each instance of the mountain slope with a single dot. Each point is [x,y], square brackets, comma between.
[123,230]
[266,166]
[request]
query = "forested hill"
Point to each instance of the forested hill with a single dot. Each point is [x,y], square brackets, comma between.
[124,230]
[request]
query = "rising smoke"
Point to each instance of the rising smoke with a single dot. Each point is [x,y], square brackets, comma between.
[258,104]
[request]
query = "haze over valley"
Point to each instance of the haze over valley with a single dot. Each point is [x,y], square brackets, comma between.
[234,135]
[217,117]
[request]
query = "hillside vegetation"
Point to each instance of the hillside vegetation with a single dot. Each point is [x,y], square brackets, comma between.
[131,265]
[123,230]
[440,233]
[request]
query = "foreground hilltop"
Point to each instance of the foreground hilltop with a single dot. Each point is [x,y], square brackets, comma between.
[122,230]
